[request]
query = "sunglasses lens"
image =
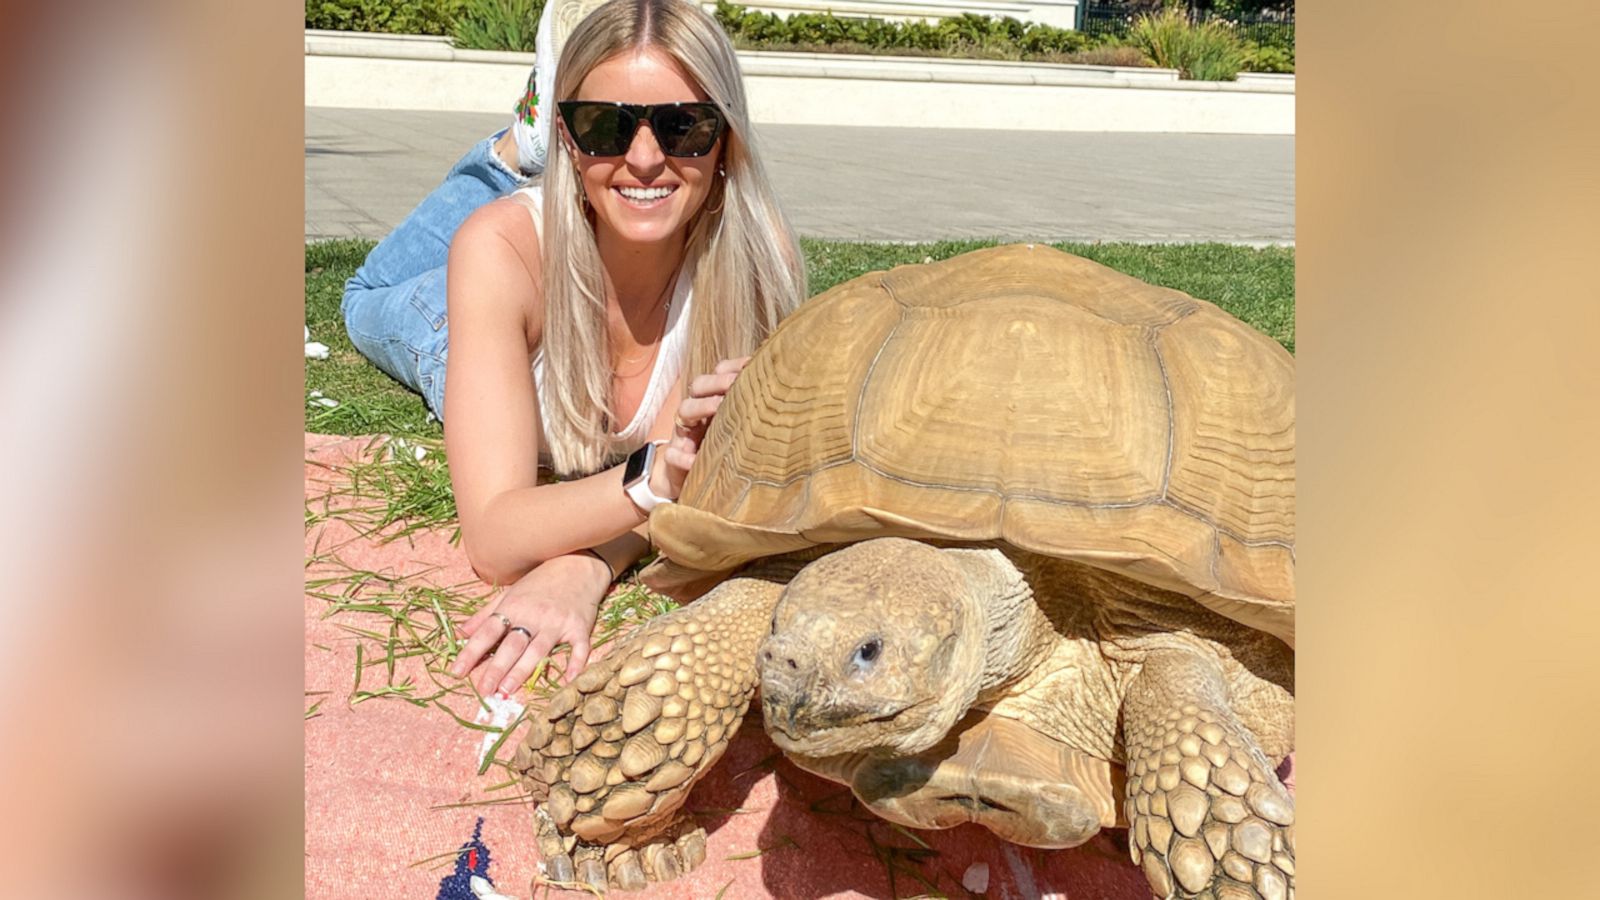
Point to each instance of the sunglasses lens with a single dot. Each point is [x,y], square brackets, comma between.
[686,130]
[601,129]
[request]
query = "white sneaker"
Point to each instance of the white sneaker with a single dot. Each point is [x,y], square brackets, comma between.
[531,125]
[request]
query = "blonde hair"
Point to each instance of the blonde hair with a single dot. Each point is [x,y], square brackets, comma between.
[749,273]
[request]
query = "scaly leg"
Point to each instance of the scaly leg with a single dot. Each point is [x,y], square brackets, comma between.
[616,750]
[1209,817]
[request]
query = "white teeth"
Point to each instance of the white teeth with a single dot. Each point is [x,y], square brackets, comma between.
[644,195]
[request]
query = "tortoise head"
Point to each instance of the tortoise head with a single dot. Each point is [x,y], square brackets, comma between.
[875,647]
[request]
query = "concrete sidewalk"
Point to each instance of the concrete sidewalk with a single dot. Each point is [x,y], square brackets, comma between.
[365,169]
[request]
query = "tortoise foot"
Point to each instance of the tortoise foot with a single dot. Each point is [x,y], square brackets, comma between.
[1209,817]
[575,864]
[614,753]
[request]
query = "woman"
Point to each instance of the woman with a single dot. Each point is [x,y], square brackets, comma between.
[651,248]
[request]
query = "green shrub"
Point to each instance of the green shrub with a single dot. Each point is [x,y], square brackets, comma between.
[1268,59]
[513,24]
[498,24]
[1209,51]
[387,16]
[1266,43]
[968,34]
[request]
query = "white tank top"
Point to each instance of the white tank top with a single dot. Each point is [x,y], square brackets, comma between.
[669,362]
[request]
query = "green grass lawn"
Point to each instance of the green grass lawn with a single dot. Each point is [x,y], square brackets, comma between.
[1257,285]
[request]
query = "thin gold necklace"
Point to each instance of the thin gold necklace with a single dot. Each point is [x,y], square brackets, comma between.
[655,347]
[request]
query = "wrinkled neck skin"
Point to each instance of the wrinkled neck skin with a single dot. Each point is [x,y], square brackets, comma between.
[1004,638]
[1015,636]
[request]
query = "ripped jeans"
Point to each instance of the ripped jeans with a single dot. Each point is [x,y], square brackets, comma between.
[394,307]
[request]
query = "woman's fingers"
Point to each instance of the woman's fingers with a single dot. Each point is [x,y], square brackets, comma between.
[705,396]
[695,412]
[478,646]
[520,672]
[475,621]
[578,659]
[494,671]
[714,384]
[527,661]
[680,453]
[522,663]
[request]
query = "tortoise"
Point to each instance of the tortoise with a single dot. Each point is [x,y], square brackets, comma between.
[1006,539]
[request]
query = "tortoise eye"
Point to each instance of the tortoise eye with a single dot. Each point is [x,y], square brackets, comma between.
[867,653]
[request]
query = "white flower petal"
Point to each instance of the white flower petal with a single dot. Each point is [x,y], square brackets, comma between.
[315,350]
[496,713]
[329,402]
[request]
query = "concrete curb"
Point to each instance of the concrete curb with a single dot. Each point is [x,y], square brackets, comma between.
[427,73]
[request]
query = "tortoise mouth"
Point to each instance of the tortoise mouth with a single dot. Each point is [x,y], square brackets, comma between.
[792,729]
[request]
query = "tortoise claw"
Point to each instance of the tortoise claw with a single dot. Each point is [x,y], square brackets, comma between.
[662,862]
[692,848]
[592,872]
[626,873]
[559,868]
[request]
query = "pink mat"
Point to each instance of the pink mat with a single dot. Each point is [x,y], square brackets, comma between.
[380,776]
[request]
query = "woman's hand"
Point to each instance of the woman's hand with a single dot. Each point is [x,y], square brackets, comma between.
[689,425]
[554,603]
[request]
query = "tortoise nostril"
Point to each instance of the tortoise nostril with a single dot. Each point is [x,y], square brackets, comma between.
[793,665]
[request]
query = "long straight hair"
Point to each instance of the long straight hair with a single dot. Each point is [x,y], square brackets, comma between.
[749,273]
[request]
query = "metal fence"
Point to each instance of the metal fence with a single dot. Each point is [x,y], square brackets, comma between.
[1268,28]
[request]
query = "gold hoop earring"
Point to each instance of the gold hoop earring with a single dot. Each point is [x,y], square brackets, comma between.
[723,196]
[583,195]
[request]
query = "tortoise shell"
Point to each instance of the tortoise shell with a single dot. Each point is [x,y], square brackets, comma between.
[1018,394]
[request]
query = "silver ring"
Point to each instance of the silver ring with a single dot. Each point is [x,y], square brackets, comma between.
[504,619]
[525,632]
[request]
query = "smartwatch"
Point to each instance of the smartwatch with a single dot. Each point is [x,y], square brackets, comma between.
[636,478]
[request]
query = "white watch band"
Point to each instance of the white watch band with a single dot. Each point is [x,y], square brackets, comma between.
[638,489]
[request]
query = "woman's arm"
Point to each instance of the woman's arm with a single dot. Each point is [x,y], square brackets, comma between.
[509,523]
[515,531]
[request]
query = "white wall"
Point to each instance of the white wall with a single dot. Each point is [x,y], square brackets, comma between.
[826,89]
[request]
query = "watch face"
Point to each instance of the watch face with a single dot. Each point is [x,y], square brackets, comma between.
[638,465]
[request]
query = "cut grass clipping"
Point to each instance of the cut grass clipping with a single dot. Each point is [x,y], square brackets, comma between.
[393,619]
[396,488]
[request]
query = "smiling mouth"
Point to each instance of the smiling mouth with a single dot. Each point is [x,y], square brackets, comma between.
[645,197]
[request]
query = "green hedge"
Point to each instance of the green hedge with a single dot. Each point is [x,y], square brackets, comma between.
[510,24]
[435,17]
[966,34]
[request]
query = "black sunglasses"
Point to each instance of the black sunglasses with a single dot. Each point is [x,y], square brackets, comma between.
[606,129]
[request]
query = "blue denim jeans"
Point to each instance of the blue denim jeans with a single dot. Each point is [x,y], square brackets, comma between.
[394,306]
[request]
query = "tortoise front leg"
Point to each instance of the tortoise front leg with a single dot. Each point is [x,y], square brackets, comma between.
[616,751]
[1208,816]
